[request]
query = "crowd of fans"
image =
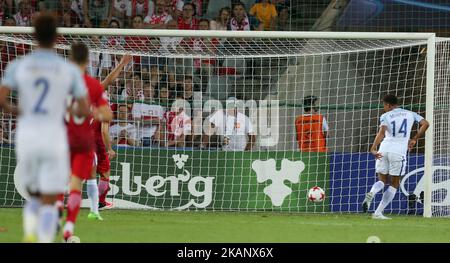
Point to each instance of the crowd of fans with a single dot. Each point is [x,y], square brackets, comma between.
[142,95]
[271,14]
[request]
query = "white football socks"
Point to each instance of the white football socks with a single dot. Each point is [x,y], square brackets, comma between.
[376,187]
[48,220]
[92,192]
[30,216]
[388,195]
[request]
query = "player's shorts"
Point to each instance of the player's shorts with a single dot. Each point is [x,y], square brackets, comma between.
[103,163]
[43,160]
[392,164]
[81,164]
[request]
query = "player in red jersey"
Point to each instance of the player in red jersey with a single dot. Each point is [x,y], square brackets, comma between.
[82,141]
[104,151]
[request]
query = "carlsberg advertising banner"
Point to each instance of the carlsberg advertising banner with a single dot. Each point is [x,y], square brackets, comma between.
[217,180]
[182,179]
[145,178]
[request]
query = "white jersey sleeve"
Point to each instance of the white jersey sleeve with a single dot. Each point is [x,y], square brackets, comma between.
[325,127]
[9,79]
[417,117]
[383,121]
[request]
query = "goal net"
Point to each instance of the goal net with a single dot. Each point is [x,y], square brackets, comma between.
[210,120]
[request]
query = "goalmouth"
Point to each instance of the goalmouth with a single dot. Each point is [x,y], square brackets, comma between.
[270,73]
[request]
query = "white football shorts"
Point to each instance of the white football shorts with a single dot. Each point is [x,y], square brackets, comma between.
[43,164]
[392,164]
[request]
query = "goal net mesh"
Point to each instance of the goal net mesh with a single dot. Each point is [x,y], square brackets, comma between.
[268,153]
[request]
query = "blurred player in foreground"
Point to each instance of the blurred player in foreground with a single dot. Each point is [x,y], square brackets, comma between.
[43,80]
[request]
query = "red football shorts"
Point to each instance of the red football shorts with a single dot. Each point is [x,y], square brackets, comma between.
[81,164]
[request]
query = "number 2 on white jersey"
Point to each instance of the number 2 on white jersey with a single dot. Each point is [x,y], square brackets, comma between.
[41,84]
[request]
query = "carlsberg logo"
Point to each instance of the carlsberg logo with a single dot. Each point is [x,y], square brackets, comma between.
[166,187]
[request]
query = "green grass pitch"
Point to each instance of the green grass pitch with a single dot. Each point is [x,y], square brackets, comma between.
[235,227]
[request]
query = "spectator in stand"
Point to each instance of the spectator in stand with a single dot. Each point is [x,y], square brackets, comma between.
[49,5]
[199,7]
[172,45]
[121,11]
[112,42]
[187,19]
[96,12]
[155,75]
[164,96]
[174,8]
[234,127]
[143,8]
[133,89]
[150,115]
[186,92]
[179,127]
[241,22]
[123,132]
[77,7]
[159,19]
[141,43]
[10,21]
[205,46]
[95,59]
[282,23]
[113,94]
[266,13]
[13,6]
[3,12]
[221,22]
[25,14]
[66,16]
[148,91]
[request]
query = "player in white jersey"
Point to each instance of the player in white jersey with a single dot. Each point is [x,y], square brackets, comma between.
[42,81]
[394,135]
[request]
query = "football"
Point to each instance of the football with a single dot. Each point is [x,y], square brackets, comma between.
[316,194]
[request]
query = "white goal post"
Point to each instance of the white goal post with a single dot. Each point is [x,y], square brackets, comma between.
[270,73]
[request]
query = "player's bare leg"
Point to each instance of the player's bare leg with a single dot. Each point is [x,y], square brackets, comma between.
[93,194]
[377,187]
[388,196]
[30,218]
[48,218]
